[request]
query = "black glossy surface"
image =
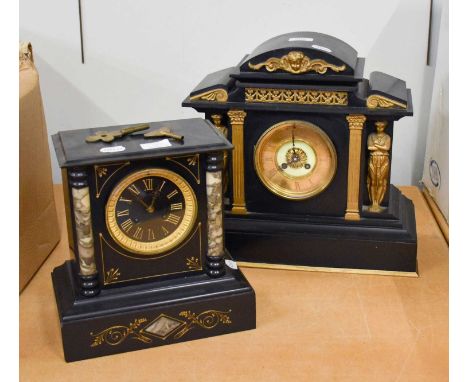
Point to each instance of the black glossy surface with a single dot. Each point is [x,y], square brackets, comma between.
[219,79]
[381,83]
[136,268]
[260,199]
[351,80]
[131,288]
[388,243]
[79,316]
[307,42]
[316,227]
[199,136]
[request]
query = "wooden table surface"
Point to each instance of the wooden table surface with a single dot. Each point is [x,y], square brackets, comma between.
[311,326]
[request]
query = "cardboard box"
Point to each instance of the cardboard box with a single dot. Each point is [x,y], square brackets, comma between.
[38,224]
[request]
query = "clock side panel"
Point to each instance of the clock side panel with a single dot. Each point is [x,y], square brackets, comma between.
[331,201]
[117,265]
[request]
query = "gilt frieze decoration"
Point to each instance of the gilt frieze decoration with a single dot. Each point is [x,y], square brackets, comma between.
[305,97]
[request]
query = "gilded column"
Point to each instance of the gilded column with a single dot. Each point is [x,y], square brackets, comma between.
[83,232]
[214,191]
[236,118]
[356,124]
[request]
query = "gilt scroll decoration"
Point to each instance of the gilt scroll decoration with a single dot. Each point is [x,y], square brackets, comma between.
[214,95]
[162,327]
[297,62]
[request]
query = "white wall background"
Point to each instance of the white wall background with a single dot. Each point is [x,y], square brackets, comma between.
[144,57]
[438,116]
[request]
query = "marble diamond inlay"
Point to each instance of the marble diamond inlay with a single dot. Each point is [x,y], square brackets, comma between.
[163,326]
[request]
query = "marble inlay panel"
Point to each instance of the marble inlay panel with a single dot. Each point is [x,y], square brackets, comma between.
[84,231]
[214,187]
[162,326]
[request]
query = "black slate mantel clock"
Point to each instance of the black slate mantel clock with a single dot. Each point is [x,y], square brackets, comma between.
[145,225]
[308,180]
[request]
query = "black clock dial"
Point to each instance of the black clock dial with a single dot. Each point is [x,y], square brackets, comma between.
[151,211]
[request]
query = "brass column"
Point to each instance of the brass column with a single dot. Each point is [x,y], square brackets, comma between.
[356,124]
[236,118]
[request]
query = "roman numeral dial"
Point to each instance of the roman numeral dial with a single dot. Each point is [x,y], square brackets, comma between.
[150,212]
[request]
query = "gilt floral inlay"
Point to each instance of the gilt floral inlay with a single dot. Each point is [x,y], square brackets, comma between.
[190,163]
[207,320]
[163,327]
[117,334]
[102,174]
[101,171]
[193,263]
[112,275]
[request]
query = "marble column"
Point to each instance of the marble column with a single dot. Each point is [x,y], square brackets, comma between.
[214,190]
[83,232]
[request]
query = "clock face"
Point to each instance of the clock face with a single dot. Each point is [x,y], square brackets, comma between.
[151,211]
[295,160]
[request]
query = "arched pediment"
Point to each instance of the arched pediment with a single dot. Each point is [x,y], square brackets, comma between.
[302,53]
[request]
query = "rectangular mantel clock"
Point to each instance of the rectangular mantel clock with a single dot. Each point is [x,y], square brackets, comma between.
[145,225]
[307,184]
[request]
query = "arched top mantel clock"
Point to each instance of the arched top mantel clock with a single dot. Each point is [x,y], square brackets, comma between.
[312,157]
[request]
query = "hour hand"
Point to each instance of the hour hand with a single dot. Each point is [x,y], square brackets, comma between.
[142,202]
[151,207]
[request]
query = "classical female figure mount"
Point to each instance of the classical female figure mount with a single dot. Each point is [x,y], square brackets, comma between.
[378,145]
[308,178]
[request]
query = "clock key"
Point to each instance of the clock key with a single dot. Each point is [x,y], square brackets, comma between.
[109,136]
[164,132]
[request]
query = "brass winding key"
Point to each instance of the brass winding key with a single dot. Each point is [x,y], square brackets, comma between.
[164,132]
[109,136]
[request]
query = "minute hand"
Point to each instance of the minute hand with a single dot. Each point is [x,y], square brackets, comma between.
[140,200]
[151,208]
[293,140]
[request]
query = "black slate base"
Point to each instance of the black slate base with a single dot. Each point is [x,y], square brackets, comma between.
[121,319]
[380,242]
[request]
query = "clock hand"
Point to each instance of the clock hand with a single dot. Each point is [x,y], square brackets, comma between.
[293,139]
[140,200]
[151,207]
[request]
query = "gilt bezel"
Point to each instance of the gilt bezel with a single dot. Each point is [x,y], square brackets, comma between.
[289,193]
[157,247]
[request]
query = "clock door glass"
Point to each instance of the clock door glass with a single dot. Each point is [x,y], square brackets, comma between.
[295,160]
[151,211]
